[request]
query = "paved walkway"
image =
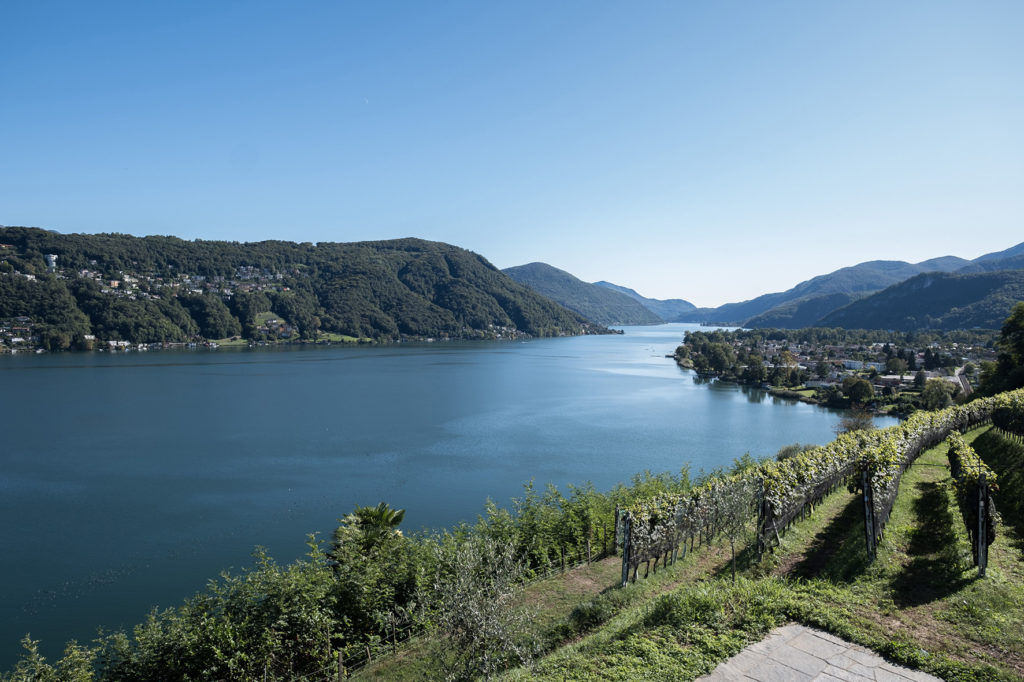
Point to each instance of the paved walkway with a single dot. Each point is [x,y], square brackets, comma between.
[794,653]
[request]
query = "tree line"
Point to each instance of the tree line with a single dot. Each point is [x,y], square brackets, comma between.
[183,291]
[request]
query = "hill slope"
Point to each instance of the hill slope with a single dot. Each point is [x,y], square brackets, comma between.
[861,279]
[669,310]
[596,303]
[935,301]
[803,304]
[803,312]
[154,289]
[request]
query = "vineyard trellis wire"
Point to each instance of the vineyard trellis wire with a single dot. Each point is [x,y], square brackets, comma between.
[657,528]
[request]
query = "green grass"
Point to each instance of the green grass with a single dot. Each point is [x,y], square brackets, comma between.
[567,606]
[341,338]
[263,318]
[1006,457]
[919,604]
[232,341]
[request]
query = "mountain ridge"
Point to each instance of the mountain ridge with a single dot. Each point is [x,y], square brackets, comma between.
[596,303]
[164,289]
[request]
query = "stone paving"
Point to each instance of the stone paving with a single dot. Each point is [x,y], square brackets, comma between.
[794,653]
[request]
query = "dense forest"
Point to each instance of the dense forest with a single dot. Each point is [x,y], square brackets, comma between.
[75,290]
[936,301]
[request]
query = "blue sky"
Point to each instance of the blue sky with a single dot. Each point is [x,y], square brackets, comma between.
[711,151]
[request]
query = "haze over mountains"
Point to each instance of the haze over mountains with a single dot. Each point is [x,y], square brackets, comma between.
[956,293]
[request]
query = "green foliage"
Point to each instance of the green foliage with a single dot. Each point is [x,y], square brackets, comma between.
[76,665]
[658,524]
[1008,372]
[937,394]
[181,290]
[292,621]
[274,622]
[802,312]
[476,609]
[212,315]
[1006,457]
[599,610]
[859,390]
[857,419]
[792,450]
[968,469]
[936,301]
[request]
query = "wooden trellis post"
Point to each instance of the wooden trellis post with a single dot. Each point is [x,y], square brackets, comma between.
[762,519]
[869,514]
[626,547]
[982,525]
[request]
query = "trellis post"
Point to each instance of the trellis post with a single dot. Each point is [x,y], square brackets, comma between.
[762,518]
[982,540]
[869,514]
[627,529]
[615,544]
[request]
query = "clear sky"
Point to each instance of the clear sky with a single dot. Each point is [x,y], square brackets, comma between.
[712,151]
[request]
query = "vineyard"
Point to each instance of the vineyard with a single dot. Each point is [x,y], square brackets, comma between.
[778,492]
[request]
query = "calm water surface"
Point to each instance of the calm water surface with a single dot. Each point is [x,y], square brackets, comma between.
[126,481]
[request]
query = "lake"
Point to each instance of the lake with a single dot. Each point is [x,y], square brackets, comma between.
[128,480]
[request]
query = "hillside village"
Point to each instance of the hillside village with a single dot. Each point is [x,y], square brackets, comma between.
[21,333]
[892,375]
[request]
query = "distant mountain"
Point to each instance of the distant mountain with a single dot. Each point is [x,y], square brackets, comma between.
[994,264]
[669,310]
[593,302]
[815,300]
[802,312]
[935,301]
[153,289]
[1011,252]
[862,279]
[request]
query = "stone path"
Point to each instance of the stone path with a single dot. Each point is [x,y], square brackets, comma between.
[794,653]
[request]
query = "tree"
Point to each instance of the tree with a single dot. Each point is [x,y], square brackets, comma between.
[755,372]
[721,357]
[75,666]
[792,450]
[857,419]
[1011,340]
[371,525]
[896,366]
[734,512]
[920,378]
[480,619]
[1008,373]
[937,394]
[859,390]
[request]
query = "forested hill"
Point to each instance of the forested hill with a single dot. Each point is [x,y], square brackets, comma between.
[670,310]
[165,289]
[935,300]
[594,302]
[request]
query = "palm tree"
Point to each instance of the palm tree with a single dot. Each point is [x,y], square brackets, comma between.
[368,526]
[379,521]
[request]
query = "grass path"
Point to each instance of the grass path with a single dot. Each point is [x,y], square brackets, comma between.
[923,585]
[553,601]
